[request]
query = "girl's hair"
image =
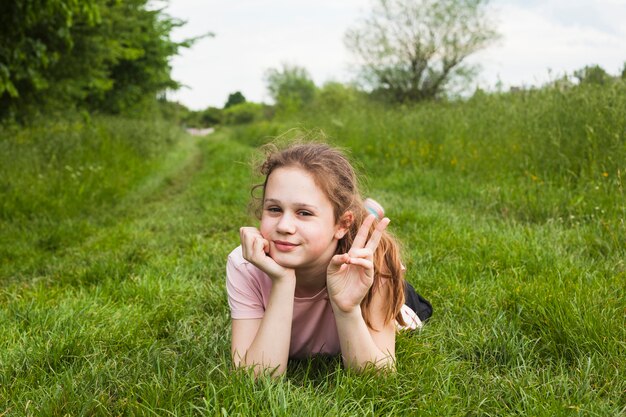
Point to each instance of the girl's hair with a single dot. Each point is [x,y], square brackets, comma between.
[336,177]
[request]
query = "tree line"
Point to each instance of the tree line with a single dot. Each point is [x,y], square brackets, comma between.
[99,55]
[113,56]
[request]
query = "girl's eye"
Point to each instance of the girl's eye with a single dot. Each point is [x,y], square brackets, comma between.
[273,209]
[305,213]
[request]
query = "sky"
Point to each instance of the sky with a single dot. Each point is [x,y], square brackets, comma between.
[540,40]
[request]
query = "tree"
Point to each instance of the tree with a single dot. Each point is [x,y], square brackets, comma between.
[333,96]
[211,116]
[415,49]
[234,99]
[243,113]
[291,87]
[592,74]
[140,69]
[35,38]
[96,54]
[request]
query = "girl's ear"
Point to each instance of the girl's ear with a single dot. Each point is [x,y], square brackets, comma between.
[344,224]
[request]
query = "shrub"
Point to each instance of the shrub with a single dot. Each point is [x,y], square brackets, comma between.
[243,113]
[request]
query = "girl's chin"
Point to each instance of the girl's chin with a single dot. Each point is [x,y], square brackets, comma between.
[282,261]
[286,259]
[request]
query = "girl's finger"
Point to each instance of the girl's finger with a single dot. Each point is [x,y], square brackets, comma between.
[364,263]
[257,244]
[372,244]
[248,243]
[258,256]
[339,260]
[361,236]
[253,249]
[248,236]
[246,232]
[363,253]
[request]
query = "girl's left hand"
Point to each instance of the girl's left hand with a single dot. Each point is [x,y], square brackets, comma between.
[350,275]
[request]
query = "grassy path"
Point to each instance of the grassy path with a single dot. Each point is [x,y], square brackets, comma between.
[133,319]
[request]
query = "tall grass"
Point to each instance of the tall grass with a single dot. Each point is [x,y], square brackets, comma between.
[114,303]
[62,168]
[59,176]
[549,155]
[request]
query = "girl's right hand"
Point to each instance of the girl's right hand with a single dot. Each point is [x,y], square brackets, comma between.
[256,249]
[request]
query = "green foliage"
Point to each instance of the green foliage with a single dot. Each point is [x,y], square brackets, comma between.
[244,113]
[34,40]
[415,50]
[99,55]
[592,74]
[172,111]
[234,99]
[334,95]
[291,87]
[211,116]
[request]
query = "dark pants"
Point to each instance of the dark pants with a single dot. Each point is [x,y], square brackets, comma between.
[419,304]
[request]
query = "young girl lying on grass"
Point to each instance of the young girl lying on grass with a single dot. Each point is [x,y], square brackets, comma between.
[321,275]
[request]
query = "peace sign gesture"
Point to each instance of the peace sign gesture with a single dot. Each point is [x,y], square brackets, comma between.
[350,275]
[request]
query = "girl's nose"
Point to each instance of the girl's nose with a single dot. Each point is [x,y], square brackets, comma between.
[286,224]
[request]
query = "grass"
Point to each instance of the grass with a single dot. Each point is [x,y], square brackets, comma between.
[112,298]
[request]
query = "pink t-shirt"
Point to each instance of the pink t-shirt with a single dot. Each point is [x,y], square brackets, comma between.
[313,329]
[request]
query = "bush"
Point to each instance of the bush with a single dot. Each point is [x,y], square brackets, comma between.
[291,88]
[234,99]
[211,116]
[334,95]
[243,113]
[98,55]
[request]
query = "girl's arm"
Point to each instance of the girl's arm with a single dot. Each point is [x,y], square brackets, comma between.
[263,344]
[362,346]
[349,278]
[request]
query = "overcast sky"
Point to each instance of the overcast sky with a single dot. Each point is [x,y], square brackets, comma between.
[540,40]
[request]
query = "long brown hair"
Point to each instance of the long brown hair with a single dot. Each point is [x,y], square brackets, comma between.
[334,174]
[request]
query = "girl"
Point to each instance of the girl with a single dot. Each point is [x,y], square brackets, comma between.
[320,275]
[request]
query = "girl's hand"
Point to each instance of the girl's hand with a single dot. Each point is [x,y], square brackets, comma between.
[350,275]
[255,250]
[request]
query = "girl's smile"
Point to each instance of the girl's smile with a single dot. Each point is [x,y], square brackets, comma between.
[284,246]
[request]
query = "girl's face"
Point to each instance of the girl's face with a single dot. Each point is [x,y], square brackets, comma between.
[298,221]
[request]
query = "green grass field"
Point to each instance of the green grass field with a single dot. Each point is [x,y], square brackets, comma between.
[114,235]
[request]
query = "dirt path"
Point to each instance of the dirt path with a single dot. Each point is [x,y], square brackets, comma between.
[200,132]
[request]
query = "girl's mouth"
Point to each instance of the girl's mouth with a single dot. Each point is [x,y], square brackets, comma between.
[284,246]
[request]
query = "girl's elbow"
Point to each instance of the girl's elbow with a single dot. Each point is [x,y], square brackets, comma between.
[385,364]
[257,370]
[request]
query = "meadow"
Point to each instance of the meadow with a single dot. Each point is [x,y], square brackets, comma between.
[114,234]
